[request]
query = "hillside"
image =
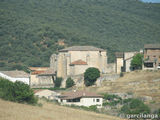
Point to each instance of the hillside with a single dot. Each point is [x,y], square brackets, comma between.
[49,111]
[30,29]
[139,83]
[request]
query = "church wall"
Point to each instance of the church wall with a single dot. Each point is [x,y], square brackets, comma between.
[80,69]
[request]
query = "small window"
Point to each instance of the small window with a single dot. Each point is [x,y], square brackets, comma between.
[93,100]
[61,100]
[97,100]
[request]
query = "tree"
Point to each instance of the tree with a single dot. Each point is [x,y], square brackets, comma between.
[69,83]
[17,92]
[57,82]
[91,75]
[136,62]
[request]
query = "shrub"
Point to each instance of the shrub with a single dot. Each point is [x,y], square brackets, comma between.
[93,108]
[17,92]
[57,82]
[113,99]
[69,83]
[91,75]
[134,106]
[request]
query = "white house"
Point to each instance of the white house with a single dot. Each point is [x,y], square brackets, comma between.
[15,76]
[51,95]
[81,98]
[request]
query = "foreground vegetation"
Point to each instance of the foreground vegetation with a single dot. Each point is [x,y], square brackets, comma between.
[49,111]
[17,92]
[30,29]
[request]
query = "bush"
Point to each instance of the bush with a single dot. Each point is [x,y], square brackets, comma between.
[17,92]
[134,106]
[57,82]
[91,75]
[113,100]
[69,83]
[93,108]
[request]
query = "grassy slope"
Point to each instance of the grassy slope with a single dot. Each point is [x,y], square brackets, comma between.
[141,83]
[49,111]
[30,29]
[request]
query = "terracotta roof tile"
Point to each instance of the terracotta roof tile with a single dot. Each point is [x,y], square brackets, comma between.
[79,62]
[38,68]
[48,72]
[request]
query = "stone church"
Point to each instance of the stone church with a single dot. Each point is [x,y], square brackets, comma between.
[75,60]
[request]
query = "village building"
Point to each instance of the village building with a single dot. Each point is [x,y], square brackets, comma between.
[48,94]
[151,57]
[75,60]
[16,75]
[123,61]
[41,77]
[81,98]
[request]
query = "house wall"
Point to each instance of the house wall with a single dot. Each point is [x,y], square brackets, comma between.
[119,65]
[85,102]
[128,56]
[152,55]
[37,81]
[25,80]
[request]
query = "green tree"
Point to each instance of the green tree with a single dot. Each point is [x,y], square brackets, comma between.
[22,93]
[91,75]
[136,62]
[57,82]
[69,82]
[17,92]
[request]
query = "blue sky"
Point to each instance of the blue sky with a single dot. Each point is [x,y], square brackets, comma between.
[153,1]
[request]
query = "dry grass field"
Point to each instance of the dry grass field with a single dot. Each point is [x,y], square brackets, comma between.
[49,111]
[141,83]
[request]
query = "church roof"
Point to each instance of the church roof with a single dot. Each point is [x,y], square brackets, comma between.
[81,48]
[79,62]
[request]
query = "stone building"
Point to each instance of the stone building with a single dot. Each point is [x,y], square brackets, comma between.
[41,77]
[151,56]
[75,60]
[123,61]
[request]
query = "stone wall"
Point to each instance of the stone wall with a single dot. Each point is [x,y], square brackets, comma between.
[111,68]
[41,81]
[78,79]
[128,56]
[106,77]
[119,65]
